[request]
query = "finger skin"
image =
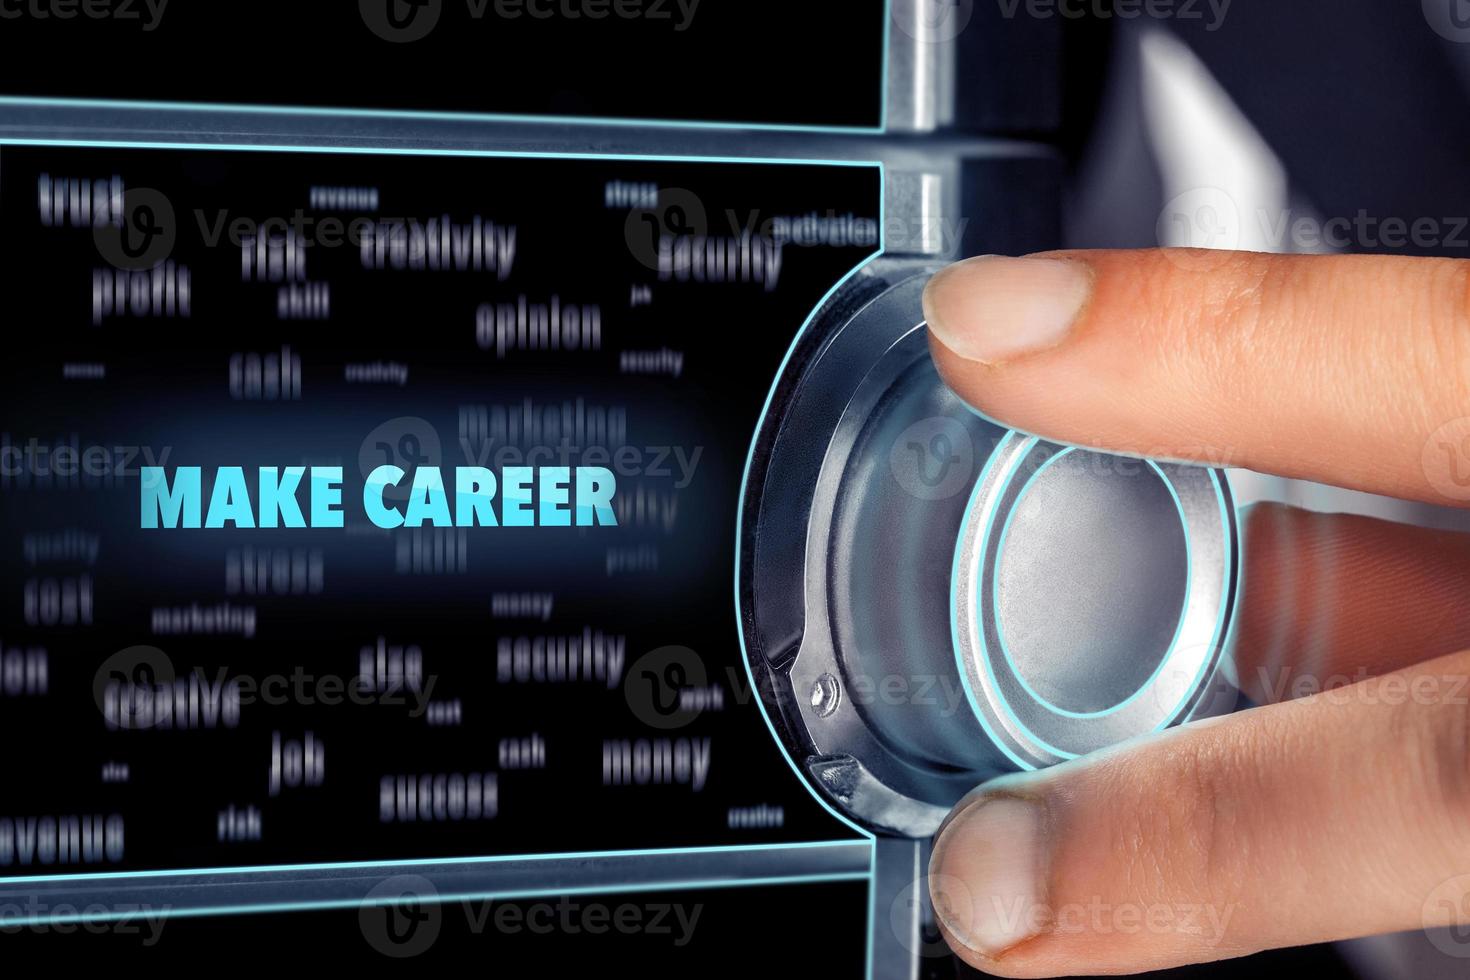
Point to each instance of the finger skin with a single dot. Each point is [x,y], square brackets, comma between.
[1315,820]
[1338,369]
[1331,599]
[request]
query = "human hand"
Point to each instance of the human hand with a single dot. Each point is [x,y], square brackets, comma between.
[1342,814]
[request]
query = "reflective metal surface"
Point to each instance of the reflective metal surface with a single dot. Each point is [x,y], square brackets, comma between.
[933,600]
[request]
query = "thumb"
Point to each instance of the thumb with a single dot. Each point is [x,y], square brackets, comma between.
[1321,819]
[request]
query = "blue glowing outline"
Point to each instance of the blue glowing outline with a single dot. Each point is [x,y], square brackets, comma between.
[1217,641]
[609,888]
[954,608]
[429,115]
[981,546]
[1220,639]
[420,862]
[740,619]
[122,144]
[145,911]
[1005,531]
[739,528]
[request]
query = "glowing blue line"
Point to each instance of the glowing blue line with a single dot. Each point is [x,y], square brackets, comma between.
[426,152]
[739,527]
[374,901]
[1184,611]
[745,659]
[883,105]
[428,115]
[982,547]
[1005,531]
[954,609]
[740,521]
[1220,638]
[872,907]
[1178,626]
[420,862]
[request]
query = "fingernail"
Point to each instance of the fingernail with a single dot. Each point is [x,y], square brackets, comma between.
[995,308]
[986,875]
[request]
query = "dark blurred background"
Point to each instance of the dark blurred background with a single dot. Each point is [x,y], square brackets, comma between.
[1276,125]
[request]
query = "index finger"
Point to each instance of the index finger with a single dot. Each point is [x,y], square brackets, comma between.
[1350,370]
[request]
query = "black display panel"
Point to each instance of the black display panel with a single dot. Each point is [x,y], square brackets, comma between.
[174,697]
[768,62]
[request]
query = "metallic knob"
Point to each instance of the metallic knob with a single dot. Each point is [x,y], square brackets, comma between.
[929,600]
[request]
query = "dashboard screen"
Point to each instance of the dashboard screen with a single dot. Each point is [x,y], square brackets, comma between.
[364,507]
